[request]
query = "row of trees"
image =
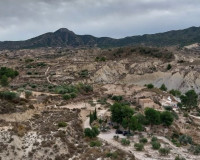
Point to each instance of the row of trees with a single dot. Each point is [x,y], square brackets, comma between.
[124,115]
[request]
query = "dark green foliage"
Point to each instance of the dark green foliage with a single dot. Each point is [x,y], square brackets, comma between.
[125,142]
[141,119]
[91,118]
[117,98]
[119,112]
[113,155]
[195,149]
[150,86]
[8,95]
[152,116]
[63,89]
[95,144]
[166,118]
[6,73]
[95,114]
[41,64]
[154,139]
[179,158]
[169,66]
[143,140]
[164,151]
[4,80]
[62,124]
[185,139]
[175,93]
[155,145]
[139,146]
[73,95]
[66,96]
[91,133]
[101,59]
[29,60]
[163,87]
[84,73]
[189,100]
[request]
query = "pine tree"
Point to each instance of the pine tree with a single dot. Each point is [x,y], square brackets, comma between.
[4,80]
[91,118]
[95,114]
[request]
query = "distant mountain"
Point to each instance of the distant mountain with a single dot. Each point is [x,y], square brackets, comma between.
[65,38]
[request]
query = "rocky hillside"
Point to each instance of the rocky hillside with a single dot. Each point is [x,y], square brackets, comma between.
[66,38]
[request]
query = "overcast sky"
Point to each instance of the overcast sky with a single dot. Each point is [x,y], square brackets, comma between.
[23,19]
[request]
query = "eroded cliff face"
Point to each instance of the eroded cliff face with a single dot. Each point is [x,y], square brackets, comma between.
[179,77]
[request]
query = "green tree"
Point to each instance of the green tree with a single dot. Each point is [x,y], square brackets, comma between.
[152,116]
[4,80]
[120,111]
[95,114]
[91,118]
[166,118]
[163,87]
[175,93]
[189,100]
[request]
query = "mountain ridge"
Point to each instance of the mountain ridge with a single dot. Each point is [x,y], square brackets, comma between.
[63,37]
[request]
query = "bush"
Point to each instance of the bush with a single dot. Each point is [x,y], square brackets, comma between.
[8,95]
[155,145]
[73,95]
[195,149]
[91,133]
[95,144]
[117,98]
[66,97]
[143,140]
[169,66]
[175,93]
[4,80]
[166,118]
[164,151]
[163,87]
[150,86]
[153,139]
[125,142]
[112,155]
[62,124]
[28,94]
[179,158]
[139,146]
[185,139]
[84,73]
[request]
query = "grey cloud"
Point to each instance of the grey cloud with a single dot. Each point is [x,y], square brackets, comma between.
[23,19]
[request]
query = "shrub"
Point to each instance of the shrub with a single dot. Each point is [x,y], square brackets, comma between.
[91,133]
[185,139]
[83,73]
[66,96]
[143,140]
[155,145]
[62,124]
[169,66]
[95,143]
[179,158]
[8,95]
[195,149]
[163,87]
[125,142]
[112,155]
[175,93]
[117,98]
[73,95]
[166,118]
[4,80]
[139,146]
[150,86]
[164,151]
[153,139]
[28,94]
